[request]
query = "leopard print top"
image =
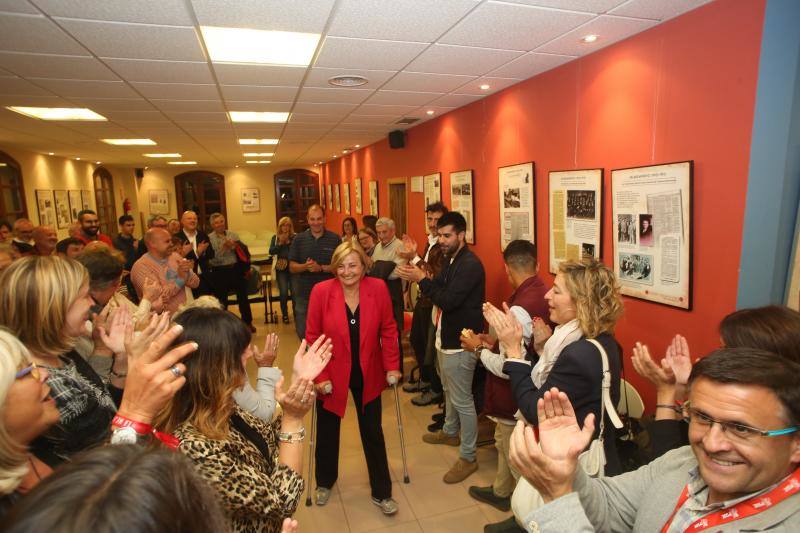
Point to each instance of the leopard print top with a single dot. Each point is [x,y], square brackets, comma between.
[255,493]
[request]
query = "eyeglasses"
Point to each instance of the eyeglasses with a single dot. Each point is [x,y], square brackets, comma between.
[734,430]
[34,370]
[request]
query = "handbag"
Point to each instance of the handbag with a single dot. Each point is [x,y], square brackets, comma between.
[281,263]
[526,498]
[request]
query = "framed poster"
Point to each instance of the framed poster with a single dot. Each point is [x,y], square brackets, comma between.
[74,204]
[373,198]
[322,196]
[159,201]
[517,204]
[251,200]
[330,197]
[462,200]
[62,208]
[86,199]
[652,217]
[576,215]
[432,188]
[359,207]
[336,200]
[47,211]
[346,197]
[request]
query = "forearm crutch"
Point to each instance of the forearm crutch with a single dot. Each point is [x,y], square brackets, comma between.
[311,443]
[392,380]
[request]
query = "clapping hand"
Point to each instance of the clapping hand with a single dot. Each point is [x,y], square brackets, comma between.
[507,328]
[267,356]
[409,249]
[309,364]
[410,273]
[679,359]
[661,376]
[550,464]
[297,400]
[470,341]
[111,331]
[202,247]
[541,332]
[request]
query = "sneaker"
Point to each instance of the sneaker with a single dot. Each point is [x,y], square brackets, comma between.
[460,471]
[426,398]
[322,495]
[440,437]
[436,426]
[509,525]
[285,319]
[388,506]
[417,386]
[437,416]
[487,495]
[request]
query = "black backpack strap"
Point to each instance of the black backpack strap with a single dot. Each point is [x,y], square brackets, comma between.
[250,434]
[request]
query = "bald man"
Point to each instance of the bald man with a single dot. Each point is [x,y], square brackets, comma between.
[23,236]
[172,272]
[200,253]
[44,240]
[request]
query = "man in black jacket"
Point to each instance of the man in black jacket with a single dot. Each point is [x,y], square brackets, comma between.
[457,293]
[200,252]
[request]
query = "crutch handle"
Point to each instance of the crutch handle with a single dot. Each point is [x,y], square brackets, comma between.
[328,388]
[391,380]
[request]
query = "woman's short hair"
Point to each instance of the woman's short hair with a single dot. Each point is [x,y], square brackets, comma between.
[346,248]
[124,487]
[369,231]
[213,372]
[13,455]
[774,328]
[37,294]
[595,292]
[286,220]
[104,267]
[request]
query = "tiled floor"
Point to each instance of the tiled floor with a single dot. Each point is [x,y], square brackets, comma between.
[427,504]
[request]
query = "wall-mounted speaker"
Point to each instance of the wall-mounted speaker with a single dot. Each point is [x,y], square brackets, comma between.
[139,172]
[397,139]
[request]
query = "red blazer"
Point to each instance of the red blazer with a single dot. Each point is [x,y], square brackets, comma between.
[378,350]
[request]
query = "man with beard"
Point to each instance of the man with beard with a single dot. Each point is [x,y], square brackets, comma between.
[90,228]
[457,294]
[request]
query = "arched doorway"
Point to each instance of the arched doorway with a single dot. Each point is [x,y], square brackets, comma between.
[104,200]
[12,192]
[203,192]
[296,190]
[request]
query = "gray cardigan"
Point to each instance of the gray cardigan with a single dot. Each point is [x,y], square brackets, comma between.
[642,501]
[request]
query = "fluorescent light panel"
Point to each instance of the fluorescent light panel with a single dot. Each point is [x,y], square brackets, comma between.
[239,45]
[181,162]
[258,141]
[129,142]
[58,113]
[162,155]
[258,154]
[258,116]
[258,162]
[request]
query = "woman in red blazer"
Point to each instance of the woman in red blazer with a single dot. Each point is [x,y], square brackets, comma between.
[356,314]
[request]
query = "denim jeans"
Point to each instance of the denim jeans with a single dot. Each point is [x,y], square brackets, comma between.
[457,370]
[283,277]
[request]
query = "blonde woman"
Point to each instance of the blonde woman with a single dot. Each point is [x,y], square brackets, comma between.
[279,250]
[23,417]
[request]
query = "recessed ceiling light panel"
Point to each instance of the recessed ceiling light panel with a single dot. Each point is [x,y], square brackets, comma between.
[58,113]
[258,154]
[163,155]
[258,141]
[239,45]
[348,80]
[589,38]
[129,142]
[257,116]
[181,163]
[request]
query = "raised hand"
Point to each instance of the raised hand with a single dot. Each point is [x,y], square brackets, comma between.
[309,364]
[679,359]
[202,247]
[410,273]
[470,341]
[550,465]
[297,400]
[154,377]
[507,328]
[112,331]
[151,290]
[267,356]
[409,249]
[136,345]
[659,375]
[541,332]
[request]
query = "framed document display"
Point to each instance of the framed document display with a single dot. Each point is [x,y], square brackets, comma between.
[357,185]
[251,200]
[346,197]
[47,211]
[86,199]
[62,208]
[330,197]
[74,204]
[337,204]
[373,198]
[463,201]
[576,215]
[159,201]
[432,188]
[652,217]
[517,203]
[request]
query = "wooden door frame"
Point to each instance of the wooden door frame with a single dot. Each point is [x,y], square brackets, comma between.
[389,183]
[179,194]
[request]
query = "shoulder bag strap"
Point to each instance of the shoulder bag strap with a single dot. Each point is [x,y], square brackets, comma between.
[605,403]
[251,434]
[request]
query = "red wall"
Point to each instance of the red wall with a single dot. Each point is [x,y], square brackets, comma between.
[682,90]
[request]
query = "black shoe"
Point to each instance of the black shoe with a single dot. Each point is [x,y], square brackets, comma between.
[436,426]
[426,398]
[285,319]
[437,417]
[508,525]
[487,495]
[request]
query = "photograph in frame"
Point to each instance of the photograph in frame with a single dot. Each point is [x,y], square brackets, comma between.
[330,197]
[61,199]
[462,200]
[517,196]
[74,204]
[251,200]
[86,199]
[337,204]
[46,207]
[432,188]
[373,198]
[652,216]
[346,197]
[357,196]
[576,217]
[158,201]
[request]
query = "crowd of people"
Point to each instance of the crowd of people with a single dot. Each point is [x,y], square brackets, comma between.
[123,378]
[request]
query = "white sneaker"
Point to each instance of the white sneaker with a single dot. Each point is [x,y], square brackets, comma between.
[322,495]
[388,506]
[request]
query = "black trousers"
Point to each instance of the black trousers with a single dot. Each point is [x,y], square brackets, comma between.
[229,279]
[327,446]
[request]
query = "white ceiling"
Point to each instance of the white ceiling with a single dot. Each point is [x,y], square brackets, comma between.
[143,64]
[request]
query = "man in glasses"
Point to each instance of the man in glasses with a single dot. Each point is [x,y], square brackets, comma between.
[740,471]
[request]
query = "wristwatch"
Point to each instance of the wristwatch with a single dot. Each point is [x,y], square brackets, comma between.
[126,435]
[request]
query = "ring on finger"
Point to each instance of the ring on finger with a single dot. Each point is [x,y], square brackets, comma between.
[175,371]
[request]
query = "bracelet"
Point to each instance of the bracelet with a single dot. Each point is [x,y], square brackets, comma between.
[293,436]
[674,408]
[143,429]
[478,349]
[112,372]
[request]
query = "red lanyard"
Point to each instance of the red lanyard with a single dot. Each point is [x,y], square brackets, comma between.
[749,507]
